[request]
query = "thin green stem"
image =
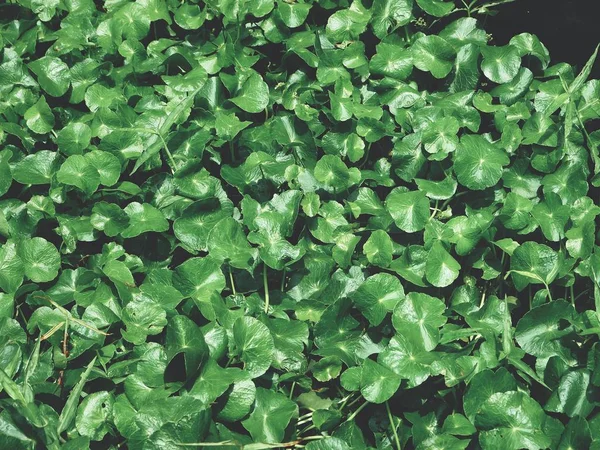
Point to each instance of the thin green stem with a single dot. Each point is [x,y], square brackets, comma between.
[266,286]
[231,281]
[548,291]
[391,419]
[357,412]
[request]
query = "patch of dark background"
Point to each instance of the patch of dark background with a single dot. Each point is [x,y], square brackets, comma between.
[568,28]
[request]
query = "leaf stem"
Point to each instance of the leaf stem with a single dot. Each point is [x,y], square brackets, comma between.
[266,285]
[357,412]
[572,291]
[231,281]
[391,419]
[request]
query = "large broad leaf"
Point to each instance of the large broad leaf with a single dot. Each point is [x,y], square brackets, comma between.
[39,117]
[41,260]
[478,163]
[5,172]
[437,8]
[272,414]
[546,330]
[378,383]
[419,316]
[408,358]
[227,243]
[500,64]
[512,420]
[378,248]
[196,222]
[254,94]
[533,263]
[143,218]
[390,14]
[142,318]
[331,171]
[254,345]
[433,54]
[441,269]
[185,338]
[199,278]
[12,269]
[37,168]
[410,210]
[52,74]
[377,296]
[94,414]
[482,386]
[77,171]
[109,218]
[574,396]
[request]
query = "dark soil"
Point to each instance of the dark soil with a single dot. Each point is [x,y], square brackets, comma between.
[569,28]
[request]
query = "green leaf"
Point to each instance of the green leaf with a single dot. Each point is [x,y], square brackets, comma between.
[227,243]
[420,316]
[142,318]
[478,163]
[545,331]
[271,415]
[74,138]
[378,295]
[410,210]
[533,263]
[118,272]
[107,165]
[185,337]
[143,218]
[41,260]
[408,358]
[199,278]
[433,54]
[331,171]
[94,415]
[239,402]
[441,269]
[437,8]
[254,345]
[500,64]
[109,218]
[77,171]
[69,412]
[573,395]
[377,383]
[39,117]
[12,269]
[293,14]
[5,172]
[52,74]
[378,248]
[512,420]
[389,15]
[254,94]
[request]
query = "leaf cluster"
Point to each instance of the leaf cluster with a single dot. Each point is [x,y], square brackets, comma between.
[325,224]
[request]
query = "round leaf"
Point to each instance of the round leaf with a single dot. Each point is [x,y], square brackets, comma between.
[478,163]
[41,260]
[254,344]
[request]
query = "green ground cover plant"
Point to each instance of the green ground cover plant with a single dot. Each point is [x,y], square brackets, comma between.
[328,225]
